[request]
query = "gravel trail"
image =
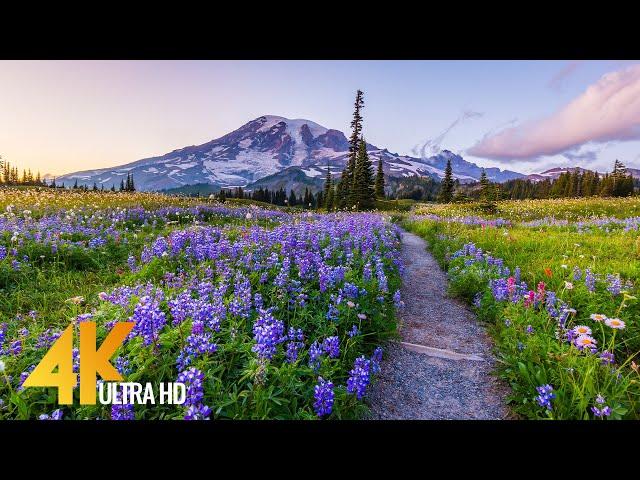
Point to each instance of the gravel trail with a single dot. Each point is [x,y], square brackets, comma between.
[440,368]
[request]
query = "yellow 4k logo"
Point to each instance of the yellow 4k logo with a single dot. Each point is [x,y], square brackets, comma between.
[92,362]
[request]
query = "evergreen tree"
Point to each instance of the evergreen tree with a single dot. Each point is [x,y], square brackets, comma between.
[75,184]
[330,200]
[328,187]
[293,200]
[363,193]
[484,186]
[446,188]
[380,180]
[307,199]
[339,196]
[346,196]
[487,199]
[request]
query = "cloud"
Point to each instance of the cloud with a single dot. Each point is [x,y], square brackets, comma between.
[433,146]
[557,81]
[586,154]
[608,110]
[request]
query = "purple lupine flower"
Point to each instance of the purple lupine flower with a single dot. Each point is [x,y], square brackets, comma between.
[15,348]
[332,313]
[499,289]
[354,331]
[83,317]
[545,395]
[294,345]
[590,280]
[529,330]
[131,262]
[55,415]
[197,412]
[196,346]
[240,304]
[148,318]
[315,355]
[268,333]
[397,300]
[24,376]
[577,274]
[381,277]
[197,327]
[331,346]
[323,395]
[46,339]
[3,335]
[122,365]
[350,290]
[599,410]
[367,272]
[122,411]
[607,358]
[193,382]
[614,284]
[359,377]
[258,302]
[376,360]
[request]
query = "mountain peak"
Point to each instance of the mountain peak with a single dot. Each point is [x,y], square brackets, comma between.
[266,146]
[269,121]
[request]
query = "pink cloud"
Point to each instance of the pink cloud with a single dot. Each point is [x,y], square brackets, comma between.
[608,110]
[558,79]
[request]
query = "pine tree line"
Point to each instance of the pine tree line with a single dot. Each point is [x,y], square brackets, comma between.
[10,175]
[278,197]
[125,186]
[574,184]
[571,184]
[357,187]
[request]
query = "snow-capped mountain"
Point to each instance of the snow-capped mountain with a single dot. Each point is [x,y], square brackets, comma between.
[271,146]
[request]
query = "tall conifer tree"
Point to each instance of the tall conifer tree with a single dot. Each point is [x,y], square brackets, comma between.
[328,187]
[345,191]
[380,180]
[363,193]
[446,190]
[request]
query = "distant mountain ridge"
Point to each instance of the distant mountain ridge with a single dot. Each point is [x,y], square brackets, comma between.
[272,150]
[554,173]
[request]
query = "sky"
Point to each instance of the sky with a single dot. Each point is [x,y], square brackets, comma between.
[62,116]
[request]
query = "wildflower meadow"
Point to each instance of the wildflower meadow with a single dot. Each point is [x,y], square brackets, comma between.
[261,314]
[556,281]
